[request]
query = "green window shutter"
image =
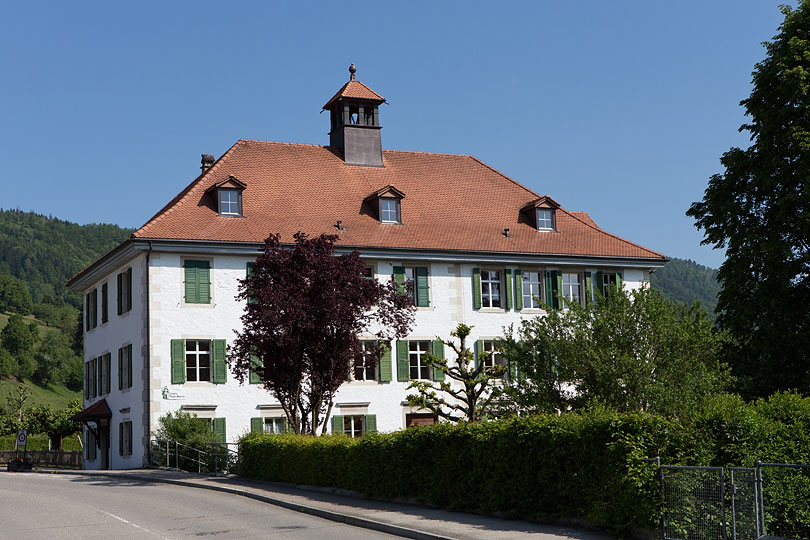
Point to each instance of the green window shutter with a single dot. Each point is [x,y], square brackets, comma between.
[371,423]
[588,288]
[437,348]
[550,299]
[178,361]
[92,364]
[204,282]
[121,369]
[95,308]
[422,287]
[104,315]
[219,428]
[476,279]
[249,272]
[120,290]
[559,285]
[619,285]
[100,375]
[87,312]
[108,369]
[220,369]
[191,289]
[257,425]
[399,278]
[129,438]
[255,363]
[599,280]
[479,350]
[129,289]
[120,438]
[518,289]
[337,424]
[508,284]
[129,366]
[403,365]
[87,380]
[385,363]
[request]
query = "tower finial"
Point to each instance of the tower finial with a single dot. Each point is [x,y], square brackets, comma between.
[352,70]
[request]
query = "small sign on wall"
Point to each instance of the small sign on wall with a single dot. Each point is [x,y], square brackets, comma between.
[172,394]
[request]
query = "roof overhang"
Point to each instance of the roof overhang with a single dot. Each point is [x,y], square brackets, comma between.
[95,412]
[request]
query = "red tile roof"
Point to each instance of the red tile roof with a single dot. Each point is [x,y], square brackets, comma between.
[452,203]
[355,89]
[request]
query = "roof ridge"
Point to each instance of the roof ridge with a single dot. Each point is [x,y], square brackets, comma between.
[598,229]
[496,171]
[179,198]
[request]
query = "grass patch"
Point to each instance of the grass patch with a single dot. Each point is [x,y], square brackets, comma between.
[57,397]
[41,326]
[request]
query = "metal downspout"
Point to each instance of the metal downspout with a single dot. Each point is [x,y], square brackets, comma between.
[147,364]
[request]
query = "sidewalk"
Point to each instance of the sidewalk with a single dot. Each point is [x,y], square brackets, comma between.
[409,521]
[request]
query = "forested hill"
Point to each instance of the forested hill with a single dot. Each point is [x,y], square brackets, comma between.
[683,280]
[45,252]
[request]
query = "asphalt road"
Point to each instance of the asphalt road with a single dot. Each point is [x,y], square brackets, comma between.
[55,507]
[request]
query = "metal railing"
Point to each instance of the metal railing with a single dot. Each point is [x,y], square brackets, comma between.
[218,458]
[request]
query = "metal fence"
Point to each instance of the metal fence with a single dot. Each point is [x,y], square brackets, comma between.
[217,458]
[769,499]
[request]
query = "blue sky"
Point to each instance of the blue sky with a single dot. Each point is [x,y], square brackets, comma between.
[621,109]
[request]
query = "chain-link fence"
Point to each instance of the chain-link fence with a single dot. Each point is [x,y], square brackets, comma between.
[784,499]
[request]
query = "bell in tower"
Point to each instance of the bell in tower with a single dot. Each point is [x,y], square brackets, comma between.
[355,121]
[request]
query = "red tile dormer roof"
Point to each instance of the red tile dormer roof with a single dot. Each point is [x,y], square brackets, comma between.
[453,203]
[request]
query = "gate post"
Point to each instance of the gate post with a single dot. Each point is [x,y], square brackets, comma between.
[760,499]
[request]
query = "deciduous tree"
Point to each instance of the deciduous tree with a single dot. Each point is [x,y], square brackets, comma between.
[306,310]
[470,399]
[758,210]
[631,351]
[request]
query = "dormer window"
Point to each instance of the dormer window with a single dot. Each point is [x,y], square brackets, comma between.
[389,210]
[387,202]
[545,219]
[542,213]
[230,202]
[227,195]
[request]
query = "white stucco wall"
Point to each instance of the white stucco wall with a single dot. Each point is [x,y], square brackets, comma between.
[121,330]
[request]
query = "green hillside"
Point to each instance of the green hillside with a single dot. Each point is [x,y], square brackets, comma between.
[44,252]
[683,280]
[56,396]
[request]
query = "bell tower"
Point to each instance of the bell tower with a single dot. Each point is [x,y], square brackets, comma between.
[355,123]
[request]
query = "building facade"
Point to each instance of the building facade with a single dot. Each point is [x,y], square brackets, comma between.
[160,309]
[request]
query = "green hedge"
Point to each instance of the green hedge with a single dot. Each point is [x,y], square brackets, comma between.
[585,466]
[38,442]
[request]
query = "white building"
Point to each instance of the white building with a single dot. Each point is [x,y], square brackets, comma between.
[160,308]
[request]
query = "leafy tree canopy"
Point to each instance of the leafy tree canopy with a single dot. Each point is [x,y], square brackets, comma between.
[14,296]
[631,351]
[306,310]
[758,210]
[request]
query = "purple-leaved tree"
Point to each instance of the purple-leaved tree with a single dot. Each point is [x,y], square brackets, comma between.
[306,312]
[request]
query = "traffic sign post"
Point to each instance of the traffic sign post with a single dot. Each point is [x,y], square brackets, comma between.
[22,439]
[19,463]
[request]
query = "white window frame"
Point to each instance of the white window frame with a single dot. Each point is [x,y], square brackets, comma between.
[366,370]
[568,288]
[488,289]
[608,282]
[546,222]
[386,213]
[198,353]
[230,204]
[354,425]
[493,359]
[529,298]
[416,354]
[274,424]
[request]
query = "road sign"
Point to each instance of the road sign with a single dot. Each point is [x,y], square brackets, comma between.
[22,438]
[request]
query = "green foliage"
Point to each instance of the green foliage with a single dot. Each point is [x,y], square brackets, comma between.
[470,399]
[40,442]
[586,465]
[14,296]
[757,210]
[56,424]
[682,280]
[632,351]
[55,361]
[45,252]
[186,428]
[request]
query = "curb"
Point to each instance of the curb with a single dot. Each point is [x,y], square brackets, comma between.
[354,521]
